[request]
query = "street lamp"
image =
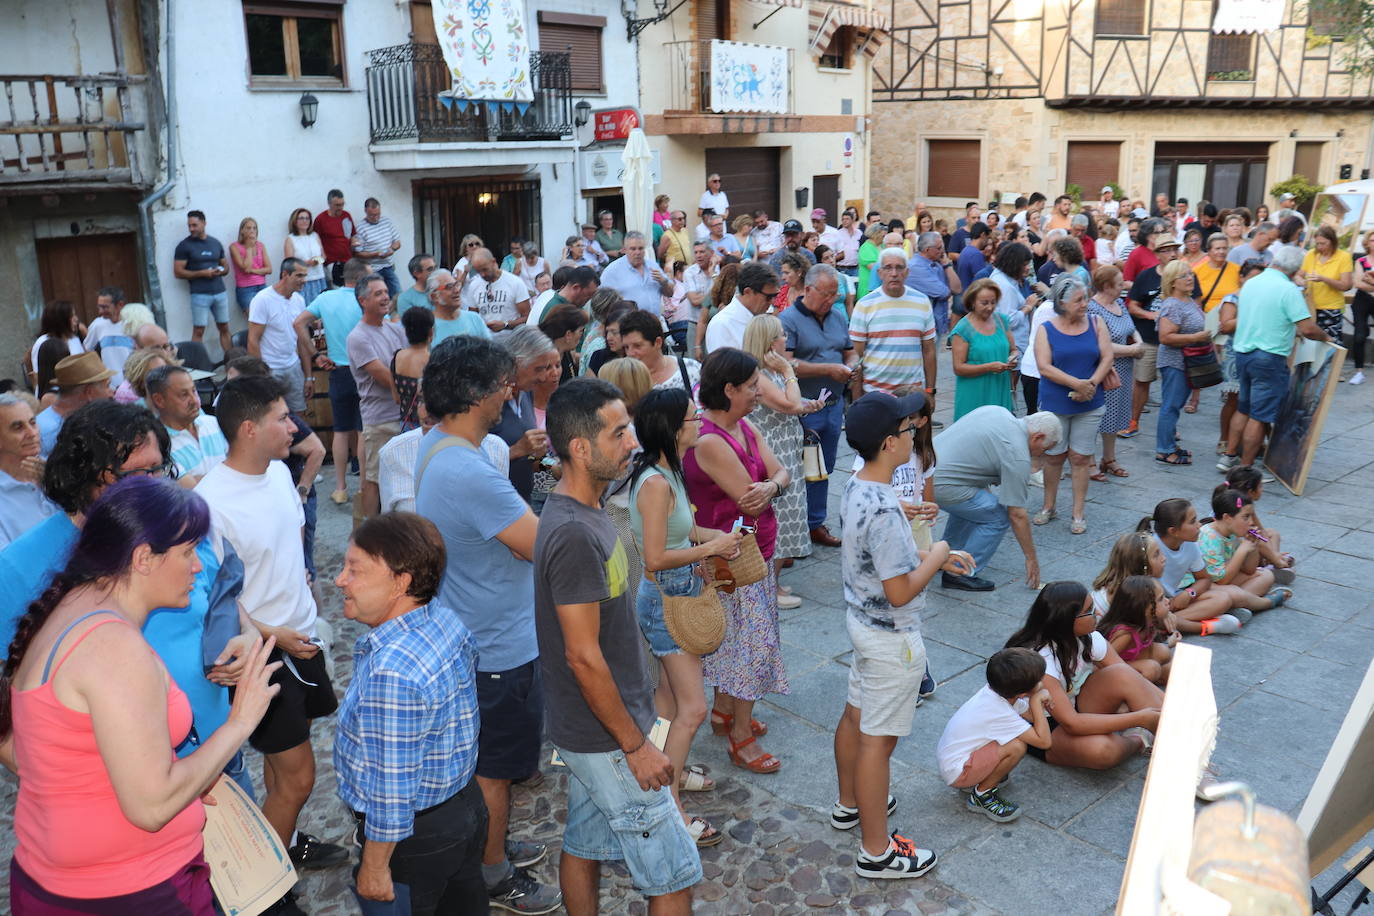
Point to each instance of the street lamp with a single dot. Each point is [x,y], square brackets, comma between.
[582,113]
[309,105]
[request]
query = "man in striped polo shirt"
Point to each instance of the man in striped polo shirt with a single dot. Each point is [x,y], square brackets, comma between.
[893,330]
[374,241]
[197,442]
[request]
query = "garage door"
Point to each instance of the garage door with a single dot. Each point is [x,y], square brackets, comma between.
[749,175]
[1093,165]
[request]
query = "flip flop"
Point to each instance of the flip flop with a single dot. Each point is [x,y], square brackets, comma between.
[1044,517]
[694,779]
[1279,595]
[703,834]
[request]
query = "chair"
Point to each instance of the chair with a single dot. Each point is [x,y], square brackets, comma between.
[193,355]
[240,339]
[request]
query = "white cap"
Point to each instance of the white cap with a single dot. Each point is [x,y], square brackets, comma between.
[1287,196]
[1107,188]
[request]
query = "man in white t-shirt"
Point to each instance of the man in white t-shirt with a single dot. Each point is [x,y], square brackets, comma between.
[1110,206]
[257,508]
[272,333]
[767,235]
[713,198]
[758,286]
[106,335]
[502,299]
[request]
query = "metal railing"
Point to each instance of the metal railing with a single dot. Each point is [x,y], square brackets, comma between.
[689,77]
[70,129]
[403,86]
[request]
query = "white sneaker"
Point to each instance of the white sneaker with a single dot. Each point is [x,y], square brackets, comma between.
[1037,479]
[1357,378]
[788,602]
[903,859]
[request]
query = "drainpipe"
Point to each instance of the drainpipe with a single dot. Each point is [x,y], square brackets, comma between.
[145,222]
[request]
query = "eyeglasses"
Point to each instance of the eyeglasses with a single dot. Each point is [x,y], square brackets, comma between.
[694,419]
[908,429]
[769,293]
[166,469]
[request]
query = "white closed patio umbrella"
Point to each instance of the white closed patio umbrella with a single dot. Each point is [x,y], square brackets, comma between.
[637,182]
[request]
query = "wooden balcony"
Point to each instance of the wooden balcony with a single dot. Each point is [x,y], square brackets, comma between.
[72,132]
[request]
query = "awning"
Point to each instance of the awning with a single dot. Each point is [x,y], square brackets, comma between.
[1246,16]
[826,18]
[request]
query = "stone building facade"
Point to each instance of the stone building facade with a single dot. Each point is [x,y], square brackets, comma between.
[991,99]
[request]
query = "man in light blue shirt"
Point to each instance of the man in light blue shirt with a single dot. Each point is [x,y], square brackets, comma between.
[450,318]
[932,273]
[636,277]
[22,503]
[80,379]
[489,533]
[1257,247]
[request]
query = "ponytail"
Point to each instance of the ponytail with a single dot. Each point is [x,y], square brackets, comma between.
[1145,524]
[1168,514]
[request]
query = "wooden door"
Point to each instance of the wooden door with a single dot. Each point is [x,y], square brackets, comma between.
[825,193]
[76,268]
[750,177]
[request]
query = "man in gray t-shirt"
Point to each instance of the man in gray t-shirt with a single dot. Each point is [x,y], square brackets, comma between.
[989,447]
[597,693]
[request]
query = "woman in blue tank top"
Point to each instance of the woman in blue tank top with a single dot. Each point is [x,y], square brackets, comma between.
[1074,355]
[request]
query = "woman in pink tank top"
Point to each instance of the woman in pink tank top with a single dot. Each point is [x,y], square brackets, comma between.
[732,473]
[90,717]
[252,265]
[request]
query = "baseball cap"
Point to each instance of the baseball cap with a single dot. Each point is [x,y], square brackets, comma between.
[1106,188]
[1286,196]
[792,225]
[818,213]
[871,418]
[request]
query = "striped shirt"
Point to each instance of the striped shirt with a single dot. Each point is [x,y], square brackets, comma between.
[194,455]
[892,332]
[376,236]
[406,737]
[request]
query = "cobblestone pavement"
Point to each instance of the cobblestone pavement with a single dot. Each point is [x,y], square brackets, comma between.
[1282,686]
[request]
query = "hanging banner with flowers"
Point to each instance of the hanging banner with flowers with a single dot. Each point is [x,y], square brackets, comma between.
[748,77]
[487,50]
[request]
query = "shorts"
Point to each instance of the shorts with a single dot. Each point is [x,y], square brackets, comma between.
[292,378]
[884,677]
[204,305]
[1080,432]
[1146,368]
[244,295]
[512,732]
[374,437]
[343,400]
[1039,752]
[287,723]
[611,818]
[979,764]
[649,606]
[1263,378]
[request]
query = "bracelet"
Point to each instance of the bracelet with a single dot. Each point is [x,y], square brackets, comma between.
[790,378]
[778,486]
[641,743]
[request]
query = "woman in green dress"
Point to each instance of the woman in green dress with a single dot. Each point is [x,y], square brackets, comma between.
[983,351]
[868,256]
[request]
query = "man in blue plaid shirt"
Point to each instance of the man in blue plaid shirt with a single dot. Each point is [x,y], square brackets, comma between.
[406,745]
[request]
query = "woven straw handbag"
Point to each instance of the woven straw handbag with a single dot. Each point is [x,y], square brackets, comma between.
[749,567]
[696,622]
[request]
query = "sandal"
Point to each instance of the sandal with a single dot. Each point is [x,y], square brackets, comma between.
[1098,476]
[721,722]
[1190,408]
[1175,457]
[694,779]
[1116,470]
[1129,432]
[1078,526]
[1279,595]
[1044,517]
[765,764]
[702,833]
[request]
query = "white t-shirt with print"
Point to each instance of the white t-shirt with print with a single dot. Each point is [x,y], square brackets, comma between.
[1097,650]
[984,717]
[877,546]
[495,301]
[908,480]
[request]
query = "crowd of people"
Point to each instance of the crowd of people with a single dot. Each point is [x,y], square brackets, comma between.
[567,466]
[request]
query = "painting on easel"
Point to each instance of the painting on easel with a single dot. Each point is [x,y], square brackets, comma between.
[1316,371]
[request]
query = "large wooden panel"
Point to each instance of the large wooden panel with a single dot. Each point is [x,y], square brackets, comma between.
[76,268]
[749,175]
[953,168]
[825,193]
[1092,165]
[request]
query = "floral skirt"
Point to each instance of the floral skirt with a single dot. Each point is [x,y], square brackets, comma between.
[748,663]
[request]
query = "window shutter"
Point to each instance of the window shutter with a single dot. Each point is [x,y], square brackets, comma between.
[1091,165]
[952,168]
[1229,53]
[1121,17]
[585,44]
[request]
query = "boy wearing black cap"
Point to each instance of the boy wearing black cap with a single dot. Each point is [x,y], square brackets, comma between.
[884,576]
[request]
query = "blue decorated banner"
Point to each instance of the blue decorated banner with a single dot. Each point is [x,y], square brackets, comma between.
[487,49]
[748,77]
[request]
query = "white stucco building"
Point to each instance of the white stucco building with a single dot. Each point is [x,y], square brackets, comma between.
[167,106]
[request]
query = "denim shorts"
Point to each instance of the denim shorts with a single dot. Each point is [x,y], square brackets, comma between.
[1263,378]
[680,581]
[204,305]
[244,295]
[611,818]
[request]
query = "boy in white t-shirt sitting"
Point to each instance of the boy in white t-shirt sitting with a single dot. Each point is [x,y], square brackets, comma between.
[884,576]
[988,736]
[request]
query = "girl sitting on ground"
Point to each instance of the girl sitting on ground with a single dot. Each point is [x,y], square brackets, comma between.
[1087,683]
[1231,552]
[1248,480]
[1200,605]
[1133,554]
[1137,620]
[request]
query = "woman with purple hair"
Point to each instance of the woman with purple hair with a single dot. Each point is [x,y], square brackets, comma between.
[108,819]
